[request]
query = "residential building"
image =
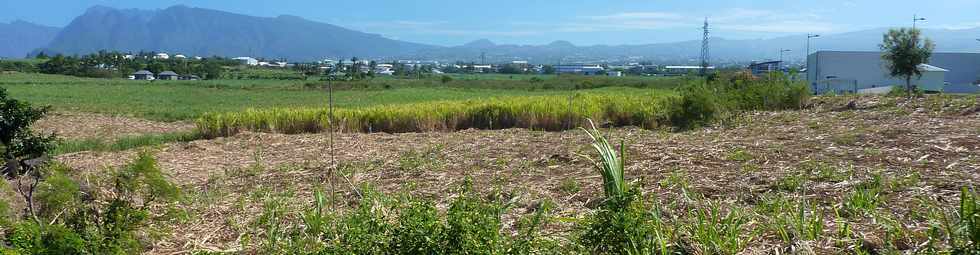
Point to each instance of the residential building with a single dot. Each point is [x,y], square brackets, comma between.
[854,71]
[614,73]
[161,56]
[579,69]
[168,75]
[143,75]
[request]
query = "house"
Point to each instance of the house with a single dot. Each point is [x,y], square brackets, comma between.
[614,73]
[142,75]
[579,69]
[856,71]
[764,68]
[163,56]
[168,75]
[179,56]
[129,56]
[247,61]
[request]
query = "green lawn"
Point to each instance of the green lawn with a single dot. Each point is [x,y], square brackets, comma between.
[187,100]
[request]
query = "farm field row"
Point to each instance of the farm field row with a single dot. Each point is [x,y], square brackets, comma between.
[188,100]
[870,179]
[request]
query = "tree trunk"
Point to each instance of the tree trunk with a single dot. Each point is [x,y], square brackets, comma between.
[908,85]
[10,168]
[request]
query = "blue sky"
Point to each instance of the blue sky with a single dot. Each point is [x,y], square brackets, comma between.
[538,21]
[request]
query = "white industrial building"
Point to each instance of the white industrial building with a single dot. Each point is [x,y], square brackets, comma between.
[579,69]
[866,71]
[247,61]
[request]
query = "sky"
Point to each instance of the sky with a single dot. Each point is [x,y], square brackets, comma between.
[609,22]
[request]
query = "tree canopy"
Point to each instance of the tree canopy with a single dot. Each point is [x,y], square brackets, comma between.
[903,51]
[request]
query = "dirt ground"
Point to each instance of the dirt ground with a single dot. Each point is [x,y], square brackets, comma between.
[72,125]
[937,142]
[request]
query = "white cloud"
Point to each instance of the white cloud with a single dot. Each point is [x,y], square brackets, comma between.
[735,19]
[638,15]
[958,26]
[730,21]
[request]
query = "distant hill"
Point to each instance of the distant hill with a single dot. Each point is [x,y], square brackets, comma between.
[204,32]
[19,38]
[722,50]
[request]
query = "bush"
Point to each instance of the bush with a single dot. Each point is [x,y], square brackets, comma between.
[18,142]
[72,223]
[701,103]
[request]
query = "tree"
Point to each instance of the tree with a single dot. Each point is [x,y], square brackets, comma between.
[903,51]
[18,143]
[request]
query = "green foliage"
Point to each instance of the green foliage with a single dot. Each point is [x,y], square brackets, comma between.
[717,231]
[189,100]
[965,239]
[865,197]
[792,220]
[73,222]
[124,143]
[610,165]
[627,225]
[115,65]
[23,66]
[704,102]
[17,141]
[380,225]
[543,113]
[903,51]
[739,155]
[569,186]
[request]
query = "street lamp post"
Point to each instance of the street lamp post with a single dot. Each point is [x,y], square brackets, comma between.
[807,55]
[781,58]
[916,19]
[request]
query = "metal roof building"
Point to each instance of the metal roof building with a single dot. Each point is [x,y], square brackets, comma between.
[853,71]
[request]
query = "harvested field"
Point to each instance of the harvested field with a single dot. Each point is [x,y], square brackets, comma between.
[77,126]
[924,150]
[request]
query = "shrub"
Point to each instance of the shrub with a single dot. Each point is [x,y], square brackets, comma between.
[72,223]
[17,141]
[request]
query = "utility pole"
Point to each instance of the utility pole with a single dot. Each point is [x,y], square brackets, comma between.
[705,50]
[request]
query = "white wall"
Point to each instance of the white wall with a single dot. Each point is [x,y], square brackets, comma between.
[865,69]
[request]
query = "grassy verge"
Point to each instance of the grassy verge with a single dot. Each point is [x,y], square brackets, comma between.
[125,143]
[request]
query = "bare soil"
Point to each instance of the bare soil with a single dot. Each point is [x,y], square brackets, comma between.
[229,178]
[77,126]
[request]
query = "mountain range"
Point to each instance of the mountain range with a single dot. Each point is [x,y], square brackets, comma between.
[19,37]
[204,32]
